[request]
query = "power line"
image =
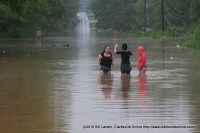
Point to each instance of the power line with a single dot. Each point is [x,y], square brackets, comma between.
[175,15]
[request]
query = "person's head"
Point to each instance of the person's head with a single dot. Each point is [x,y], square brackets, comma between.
[140,49]
[106,50]
[124,46]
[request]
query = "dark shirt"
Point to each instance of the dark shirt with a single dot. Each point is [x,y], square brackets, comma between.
[106,61]
[125,56]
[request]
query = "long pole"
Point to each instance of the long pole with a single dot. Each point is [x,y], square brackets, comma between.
[145,16]
[163,16]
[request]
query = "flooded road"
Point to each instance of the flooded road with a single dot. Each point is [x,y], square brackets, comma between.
[53,86]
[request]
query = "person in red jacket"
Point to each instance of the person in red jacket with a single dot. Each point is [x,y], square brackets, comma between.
[142,67]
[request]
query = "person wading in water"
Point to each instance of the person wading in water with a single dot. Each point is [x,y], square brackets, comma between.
[105,61]
[142,67]
[125,56]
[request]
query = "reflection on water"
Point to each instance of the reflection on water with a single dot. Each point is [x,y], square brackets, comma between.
[125,86]
[38,43]
[142,86]
[125,79]
[47,87]
[106,84]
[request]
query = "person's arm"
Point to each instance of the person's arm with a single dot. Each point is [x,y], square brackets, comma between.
[112,65]
[99,61]
[115,49]
[141,62]
[130,53]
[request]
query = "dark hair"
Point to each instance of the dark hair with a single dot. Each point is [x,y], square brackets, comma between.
[124,46]
[104,50]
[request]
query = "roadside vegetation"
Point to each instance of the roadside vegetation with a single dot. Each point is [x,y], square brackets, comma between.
[154,18]
[22,18]
[136,18]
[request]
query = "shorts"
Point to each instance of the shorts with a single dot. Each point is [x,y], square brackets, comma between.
[126,68]
[105,69]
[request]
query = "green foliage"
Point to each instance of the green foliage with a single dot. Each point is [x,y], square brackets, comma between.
[194,41]
[16,6]
[156,35]
[179,16]
[177,12]
[9,21]
[72,7]
[171,32]
[128,15]
[139,34]
[22,18]
[153,14]
[117,15]
[195,13]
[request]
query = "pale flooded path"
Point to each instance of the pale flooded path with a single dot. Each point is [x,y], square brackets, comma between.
[54,86]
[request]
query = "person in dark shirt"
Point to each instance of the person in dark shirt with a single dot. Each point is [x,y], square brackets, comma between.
[125,56]
[105,61]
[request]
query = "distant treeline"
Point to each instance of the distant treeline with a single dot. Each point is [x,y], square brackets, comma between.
[164,17]
[22,18]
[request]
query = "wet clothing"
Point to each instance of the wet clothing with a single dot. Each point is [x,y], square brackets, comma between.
[126,68]
[125,56]
[105,69]
[142,59]
[125,63]
[106,63]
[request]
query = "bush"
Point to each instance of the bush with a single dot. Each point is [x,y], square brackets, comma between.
[194,41]
[156,35]
[171,32]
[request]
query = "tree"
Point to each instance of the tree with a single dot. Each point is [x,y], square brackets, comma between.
[9,21]
[177,12]
[194,10]
[22,18]
[117,15]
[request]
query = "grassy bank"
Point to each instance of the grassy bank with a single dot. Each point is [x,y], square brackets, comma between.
[194,40]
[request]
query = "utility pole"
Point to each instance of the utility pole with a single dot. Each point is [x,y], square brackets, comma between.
[163,16]
[145,16]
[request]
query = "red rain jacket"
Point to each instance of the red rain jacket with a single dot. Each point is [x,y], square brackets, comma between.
[142,59]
